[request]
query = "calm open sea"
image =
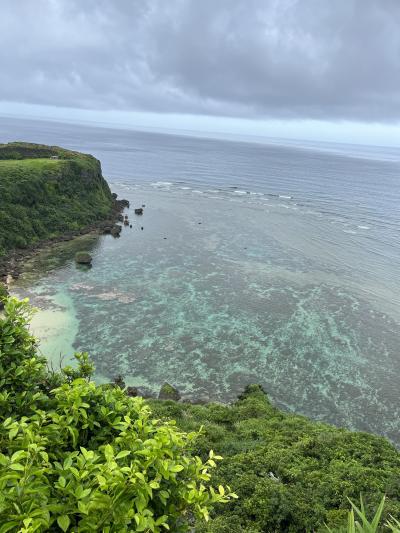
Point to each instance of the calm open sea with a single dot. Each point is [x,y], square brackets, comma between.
[269,263]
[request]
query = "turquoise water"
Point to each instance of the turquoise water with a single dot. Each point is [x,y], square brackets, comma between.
[214,306]
[255,264]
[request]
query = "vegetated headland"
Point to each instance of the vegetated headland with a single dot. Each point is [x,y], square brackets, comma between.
[79,456]
[49,194]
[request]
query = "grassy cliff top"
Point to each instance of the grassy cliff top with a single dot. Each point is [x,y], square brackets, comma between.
[23,150]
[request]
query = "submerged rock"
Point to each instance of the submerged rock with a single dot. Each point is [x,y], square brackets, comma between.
[168,392]
[83,258]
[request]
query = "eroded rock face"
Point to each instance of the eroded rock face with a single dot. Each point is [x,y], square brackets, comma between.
[168,392]
[83,258]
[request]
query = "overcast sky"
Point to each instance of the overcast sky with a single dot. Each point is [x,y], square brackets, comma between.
[290,63]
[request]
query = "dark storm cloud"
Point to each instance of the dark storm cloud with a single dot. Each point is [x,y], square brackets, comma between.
[265,58]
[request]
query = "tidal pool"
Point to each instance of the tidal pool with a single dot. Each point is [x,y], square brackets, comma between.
[223,288]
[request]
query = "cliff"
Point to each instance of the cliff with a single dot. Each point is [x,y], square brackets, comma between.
[46,191]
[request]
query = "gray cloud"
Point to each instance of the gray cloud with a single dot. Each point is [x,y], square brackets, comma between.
[249,58]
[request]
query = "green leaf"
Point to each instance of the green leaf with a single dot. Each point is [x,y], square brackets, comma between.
[13,432]
[8,526]
[17,466]
[176,468]
[18,455]
[122,454]
[63,521]
[108,452]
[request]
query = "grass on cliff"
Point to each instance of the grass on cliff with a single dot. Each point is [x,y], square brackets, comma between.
[41,198]
[290,473]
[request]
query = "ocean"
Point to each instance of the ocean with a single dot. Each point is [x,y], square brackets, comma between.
[270,262]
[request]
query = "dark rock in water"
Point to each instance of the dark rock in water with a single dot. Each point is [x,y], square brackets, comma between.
[126,222]
[168,392]
[116,230]
[132,391]
[120,218]
[83,258]
[3,295]
[126,216]
[143,205]
[114,195]
[130,225]
[141,227]
[119,382]
[139,211]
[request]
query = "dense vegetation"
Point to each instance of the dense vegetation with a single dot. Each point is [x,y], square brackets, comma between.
[290,473]
[79,457]
[41,198]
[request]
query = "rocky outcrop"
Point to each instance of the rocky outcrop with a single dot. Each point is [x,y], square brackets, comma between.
[132,392]
[116,230]
[83,258]
[168,392]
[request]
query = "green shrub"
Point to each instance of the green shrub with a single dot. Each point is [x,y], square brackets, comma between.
[291,474]
[79,457]
[359,521]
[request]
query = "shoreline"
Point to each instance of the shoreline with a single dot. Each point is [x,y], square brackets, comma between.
[11,265]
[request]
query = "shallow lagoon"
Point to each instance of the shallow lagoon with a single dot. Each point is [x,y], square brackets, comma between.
[222,288]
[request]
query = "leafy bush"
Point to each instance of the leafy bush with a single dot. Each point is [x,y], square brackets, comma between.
[79,457]
[290,473]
